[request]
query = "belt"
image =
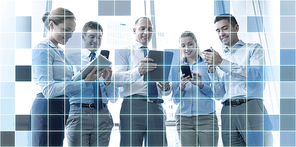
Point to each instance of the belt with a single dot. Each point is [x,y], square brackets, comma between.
[236,102]
[91,105]
[144,98]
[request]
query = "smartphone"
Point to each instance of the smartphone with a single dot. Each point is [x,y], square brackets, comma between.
[186,70]
[208,50]
[105,53]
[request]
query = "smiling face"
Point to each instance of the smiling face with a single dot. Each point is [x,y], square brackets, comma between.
[226,32]
[189,47]
[92,39]
[143,31]
[61,33]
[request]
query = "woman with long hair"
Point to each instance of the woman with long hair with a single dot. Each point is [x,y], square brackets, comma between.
[197,123]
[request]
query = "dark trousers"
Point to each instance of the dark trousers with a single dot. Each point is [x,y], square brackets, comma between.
[142,121]
[48,118]
[246,124]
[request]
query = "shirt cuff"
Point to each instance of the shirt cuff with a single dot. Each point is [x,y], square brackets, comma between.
[225,66]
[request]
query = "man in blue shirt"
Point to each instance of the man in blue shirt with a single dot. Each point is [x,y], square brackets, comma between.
[238,76]
[90,122]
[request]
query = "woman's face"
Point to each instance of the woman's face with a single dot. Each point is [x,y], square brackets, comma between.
[62,32]
[188,46]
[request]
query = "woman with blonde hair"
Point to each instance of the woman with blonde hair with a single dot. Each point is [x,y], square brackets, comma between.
[52,73]
[197,123]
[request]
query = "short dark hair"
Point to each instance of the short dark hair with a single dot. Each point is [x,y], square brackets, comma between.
[91,25]
[231,19]
[136,22]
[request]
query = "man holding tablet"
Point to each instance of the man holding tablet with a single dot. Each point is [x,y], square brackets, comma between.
[90,122]
[141,115]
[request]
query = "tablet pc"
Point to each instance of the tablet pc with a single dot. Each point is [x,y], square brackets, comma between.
[100,62]
[163,59]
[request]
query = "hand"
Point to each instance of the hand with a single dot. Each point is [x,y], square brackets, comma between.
[146,65]
[212,58]
[211,68]
[106,74]
[91,76]
[184,81]
[164,86]
[197,80]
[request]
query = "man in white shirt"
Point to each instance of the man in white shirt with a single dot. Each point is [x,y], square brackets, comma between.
[238,77]
[141,116]
[90,122]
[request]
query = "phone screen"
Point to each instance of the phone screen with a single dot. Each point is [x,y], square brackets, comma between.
[186,70]
[105,53]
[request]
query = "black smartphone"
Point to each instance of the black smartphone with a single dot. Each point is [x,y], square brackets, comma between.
[105,53]
[186,70]
[208,50]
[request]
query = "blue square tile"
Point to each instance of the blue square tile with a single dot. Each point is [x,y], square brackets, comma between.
[287,56]
[106,8]
[22,73]
[254,24]
[8,26]
[7,57]
[287,106]
[221,7]
[7,89]
[274,122]
[287,24]
[287,122]
[23,122]
[288,89]
[287,7]
[287,73]
[75,42]
[287,139]
[23,23]
[7,40]
[7,138]
[287,41]
[272,73]
[122,8]
[7,106]
[22,138]
[7,123]
[7,73]
[23,40]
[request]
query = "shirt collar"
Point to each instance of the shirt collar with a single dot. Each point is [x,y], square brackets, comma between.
[86,52]
[200,59]
[47,41]
[137,45]
[239,44]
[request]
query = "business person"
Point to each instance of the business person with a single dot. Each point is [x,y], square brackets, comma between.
[52,73]
[141,115]
[90,122]
[197,123]
[238,76]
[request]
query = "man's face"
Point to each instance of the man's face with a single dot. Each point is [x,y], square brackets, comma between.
[92,39]
[227,34]
[143,31]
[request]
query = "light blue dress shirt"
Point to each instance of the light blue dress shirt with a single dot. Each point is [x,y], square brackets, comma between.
[193,101]
[241,72]
[52,73]
[87,96]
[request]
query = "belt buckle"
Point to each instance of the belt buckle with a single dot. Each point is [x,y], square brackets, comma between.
[149,101]
[91,106]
